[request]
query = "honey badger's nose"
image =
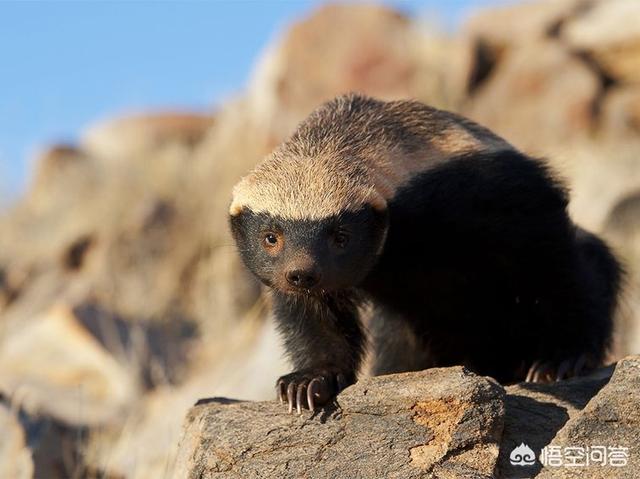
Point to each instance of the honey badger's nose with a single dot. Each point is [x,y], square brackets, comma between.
[302,278]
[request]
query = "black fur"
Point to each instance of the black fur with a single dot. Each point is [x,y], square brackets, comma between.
[499,276]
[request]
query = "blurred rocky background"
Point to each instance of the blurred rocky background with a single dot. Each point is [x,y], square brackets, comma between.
[122,300]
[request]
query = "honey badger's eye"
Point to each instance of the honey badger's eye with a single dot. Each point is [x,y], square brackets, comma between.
[270,240]
[340,238]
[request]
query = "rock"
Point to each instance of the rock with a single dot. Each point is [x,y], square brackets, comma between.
[492,33]
[516,24]
[622,230]
[54,366]
[623,227]
[15,456]
[537,103]
[135,135]
[534,413]
[435,423]
[61,172]
[343,48]
[608,32]
[445,422]
[241,363]
[611,420]
[620,112]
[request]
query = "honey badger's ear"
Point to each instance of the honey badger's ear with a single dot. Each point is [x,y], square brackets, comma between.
[239,196]
[235,209]
[376,201]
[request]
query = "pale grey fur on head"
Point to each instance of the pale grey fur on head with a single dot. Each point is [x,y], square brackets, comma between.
[356,151]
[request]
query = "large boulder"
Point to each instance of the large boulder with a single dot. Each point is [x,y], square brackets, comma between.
[343,48]
[534,413]
[537,104]
[54,366]
[622,230]
[493,33]
[138,134]
[609,34]
[516,24]
[620,114]
[447,422]
[604,438]
[434,423]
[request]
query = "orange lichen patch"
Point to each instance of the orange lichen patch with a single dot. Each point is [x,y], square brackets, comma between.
[480,457]
[441,417]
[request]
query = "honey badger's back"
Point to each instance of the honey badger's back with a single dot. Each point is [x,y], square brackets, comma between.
[483,262]
[356,150]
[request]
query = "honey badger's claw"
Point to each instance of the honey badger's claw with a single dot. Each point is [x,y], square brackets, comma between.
[549,371]
[280,391]
[563,369]
[532,371]
[543,372]
[302,387]
[309,389]
[290,396]
[312,392]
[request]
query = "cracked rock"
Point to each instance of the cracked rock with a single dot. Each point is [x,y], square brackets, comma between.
[438,422]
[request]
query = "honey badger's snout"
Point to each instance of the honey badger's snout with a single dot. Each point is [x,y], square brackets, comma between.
[302,273]
[302,278]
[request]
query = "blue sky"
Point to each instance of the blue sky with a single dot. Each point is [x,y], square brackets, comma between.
[66,64]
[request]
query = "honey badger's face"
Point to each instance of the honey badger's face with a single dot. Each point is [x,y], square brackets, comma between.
[309,256]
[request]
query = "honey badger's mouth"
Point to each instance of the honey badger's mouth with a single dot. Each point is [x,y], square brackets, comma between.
[331,306]
[315,292]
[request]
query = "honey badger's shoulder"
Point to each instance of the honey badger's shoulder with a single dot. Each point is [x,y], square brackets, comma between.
[356,123]
[356,150]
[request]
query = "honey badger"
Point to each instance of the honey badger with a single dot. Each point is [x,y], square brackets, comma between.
[461,243]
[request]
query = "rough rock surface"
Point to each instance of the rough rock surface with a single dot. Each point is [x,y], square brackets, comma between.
[608,32]
[612,420]
[435,423]
[80,384]
[535,413]
[137,134]
[621,111]
[442,421]
[555,78]
[338,49]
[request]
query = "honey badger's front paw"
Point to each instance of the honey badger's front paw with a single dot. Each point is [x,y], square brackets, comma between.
[310,388]
[549,371]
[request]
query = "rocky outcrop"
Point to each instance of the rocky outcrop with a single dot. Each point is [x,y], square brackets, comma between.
[135,135]
[121,297]
[611,420]
[81,383]
[433,423]
[608,33]
[445,421]
[555,78]
[362,48]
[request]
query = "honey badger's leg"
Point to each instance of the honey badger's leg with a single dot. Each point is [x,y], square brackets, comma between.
[396,346]
[325,342]
[597,282]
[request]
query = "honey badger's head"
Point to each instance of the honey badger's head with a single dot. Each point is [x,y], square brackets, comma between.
[302,225]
